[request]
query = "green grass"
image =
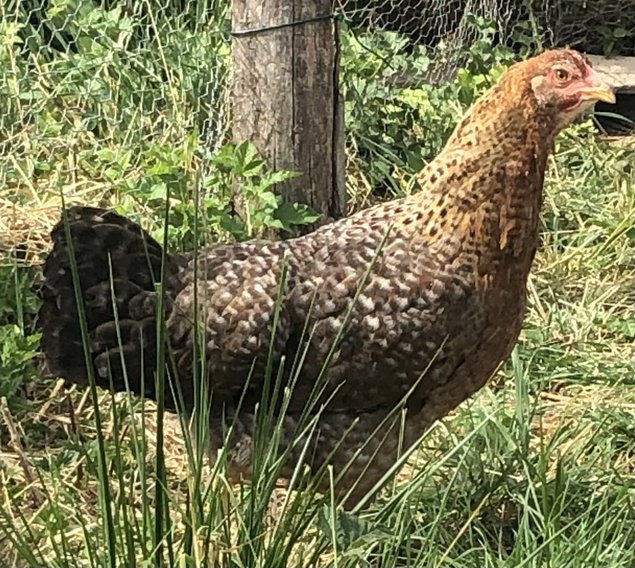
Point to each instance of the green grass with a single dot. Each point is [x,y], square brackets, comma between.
[534,471]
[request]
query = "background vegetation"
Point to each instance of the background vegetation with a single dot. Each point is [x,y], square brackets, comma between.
[119,105]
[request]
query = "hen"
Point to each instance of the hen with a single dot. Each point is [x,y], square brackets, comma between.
[439,309]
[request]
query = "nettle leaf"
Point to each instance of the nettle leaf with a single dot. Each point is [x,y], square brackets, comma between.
[274,224]
[268,198]
[224,158]
[620,33]
[159,191]
[353,535]
[234,225]
[274,178]
[251,168]
[247,160]
[295,214]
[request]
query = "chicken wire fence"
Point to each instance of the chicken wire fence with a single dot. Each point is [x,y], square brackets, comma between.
[100,98]
[589,25]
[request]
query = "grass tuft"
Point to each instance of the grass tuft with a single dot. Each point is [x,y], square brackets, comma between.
[536,470]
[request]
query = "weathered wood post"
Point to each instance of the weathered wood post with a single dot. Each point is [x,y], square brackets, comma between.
[285,99]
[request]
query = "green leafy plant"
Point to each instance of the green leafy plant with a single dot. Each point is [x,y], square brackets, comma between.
[240,166]
[18,343]
[396,120]
[614,38]
[234,173]
[534,471]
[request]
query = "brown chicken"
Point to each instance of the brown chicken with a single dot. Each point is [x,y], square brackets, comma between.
[440,308]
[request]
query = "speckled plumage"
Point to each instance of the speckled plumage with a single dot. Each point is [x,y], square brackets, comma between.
[441,308]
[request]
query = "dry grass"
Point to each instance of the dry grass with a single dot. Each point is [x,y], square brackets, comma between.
[556,418]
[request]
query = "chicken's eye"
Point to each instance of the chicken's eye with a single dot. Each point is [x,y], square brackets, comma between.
[561,75]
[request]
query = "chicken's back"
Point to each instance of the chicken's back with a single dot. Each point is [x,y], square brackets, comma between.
[367,297]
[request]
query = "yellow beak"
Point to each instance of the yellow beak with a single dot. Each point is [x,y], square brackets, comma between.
[598,93]
[597,90]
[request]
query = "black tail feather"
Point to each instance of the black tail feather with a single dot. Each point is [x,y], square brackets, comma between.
[118,265]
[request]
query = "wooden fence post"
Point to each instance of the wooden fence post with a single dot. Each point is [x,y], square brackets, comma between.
[285,99]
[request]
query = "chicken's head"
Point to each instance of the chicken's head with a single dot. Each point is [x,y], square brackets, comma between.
[564,83]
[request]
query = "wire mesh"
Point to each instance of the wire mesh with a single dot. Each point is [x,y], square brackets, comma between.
[100,99]
[97,97]
[592,26]
[410,67]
